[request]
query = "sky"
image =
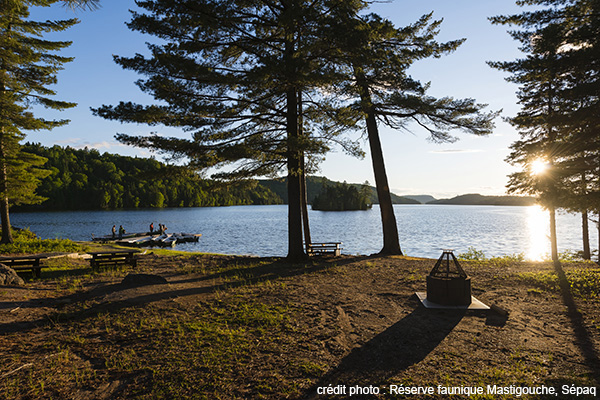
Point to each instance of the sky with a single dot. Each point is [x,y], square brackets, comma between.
[414,164]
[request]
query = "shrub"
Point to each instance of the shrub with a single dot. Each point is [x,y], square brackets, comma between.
[26,242]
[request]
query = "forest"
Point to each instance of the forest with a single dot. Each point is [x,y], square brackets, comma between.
[85,179]
[88,180]
[343,197]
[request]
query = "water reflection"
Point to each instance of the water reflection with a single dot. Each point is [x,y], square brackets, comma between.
[538,229]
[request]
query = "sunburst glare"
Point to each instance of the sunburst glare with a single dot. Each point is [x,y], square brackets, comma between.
[538,166]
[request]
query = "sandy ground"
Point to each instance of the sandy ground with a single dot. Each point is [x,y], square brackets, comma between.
[355,319]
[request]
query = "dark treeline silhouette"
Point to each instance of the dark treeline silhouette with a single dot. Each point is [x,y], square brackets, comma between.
[315,185]
[342,197]
[87,179]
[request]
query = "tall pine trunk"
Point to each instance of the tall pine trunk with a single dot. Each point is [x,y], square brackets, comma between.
[586,236]
[4,207]
[391,242]
[303,194]
[295,246]
[598,227]
[553,240]
[304,200]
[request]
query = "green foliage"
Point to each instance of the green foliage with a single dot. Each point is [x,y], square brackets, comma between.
[472,254]
[26,242]
[86,179]
[583,282]
[342,197]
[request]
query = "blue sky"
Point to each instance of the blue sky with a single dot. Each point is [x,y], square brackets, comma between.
[414,165]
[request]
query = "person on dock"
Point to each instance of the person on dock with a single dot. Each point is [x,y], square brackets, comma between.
[121,231]
[114,231]
[151,228]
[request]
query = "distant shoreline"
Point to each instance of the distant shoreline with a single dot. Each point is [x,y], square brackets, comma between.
[251,205]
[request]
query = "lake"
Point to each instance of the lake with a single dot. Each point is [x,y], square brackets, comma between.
[262,230]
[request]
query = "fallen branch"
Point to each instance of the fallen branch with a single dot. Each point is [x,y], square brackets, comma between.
[15,370]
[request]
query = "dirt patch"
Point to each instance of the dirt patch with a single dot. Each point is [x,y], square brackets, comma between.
[236,327]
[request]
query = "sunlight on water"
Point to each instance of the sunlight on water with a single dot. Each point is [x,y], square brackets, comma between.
[262,230]
[538,231]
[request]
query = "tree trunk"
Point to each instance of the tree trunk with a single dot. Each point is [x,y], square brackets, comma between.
[304,199]
[294,152]
[4,215]
[295,247]
[586,236]
[391,242]
[303,194]
[598,226]
[553,241]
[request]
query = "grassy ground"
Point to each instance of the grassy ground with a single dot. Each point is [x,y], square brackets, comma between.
[229,327]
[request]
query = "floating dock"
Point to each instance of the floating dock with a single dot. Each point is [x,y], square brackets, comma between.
[146,239]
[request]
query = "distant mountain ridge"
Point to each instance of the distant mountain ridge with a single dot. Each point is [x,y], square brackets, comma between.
[475,199]
[421,198]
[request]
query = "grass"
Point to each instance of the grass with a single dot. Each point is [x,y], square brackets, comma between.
[200,350]
[26,242]
[584,282]
[472,254]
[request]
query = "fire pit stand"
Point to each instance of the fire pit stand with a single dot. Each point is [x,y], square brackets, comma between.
[447,283]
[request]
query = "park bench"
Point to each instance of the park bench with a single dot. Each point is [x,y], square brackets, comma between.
[25,263]
[318,249]
[113,258]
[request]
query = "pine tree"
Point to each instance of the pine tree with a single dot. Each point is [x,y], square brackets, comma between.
[376,56]
[230,73]
[558,122]
[28,65]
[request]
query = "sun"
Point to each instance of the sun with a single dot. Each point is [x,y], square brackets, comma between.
[538,166]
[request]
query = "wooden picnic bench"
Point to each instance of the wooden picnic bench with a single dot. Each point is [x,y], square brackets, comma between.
[25,263]
[113,258]
[318,249]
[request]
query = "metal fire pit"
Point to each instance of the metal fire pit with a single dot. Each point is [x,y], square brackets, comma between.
[447,283]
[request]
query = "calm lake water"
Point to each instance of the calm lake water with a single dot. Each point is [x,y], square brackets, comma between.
[262,230]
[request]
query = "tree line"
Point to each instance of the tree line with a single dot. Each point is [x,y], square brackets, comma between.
[85,179]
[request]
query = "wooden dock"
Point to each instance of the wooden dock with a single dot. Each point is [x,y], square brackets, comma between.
[142,239]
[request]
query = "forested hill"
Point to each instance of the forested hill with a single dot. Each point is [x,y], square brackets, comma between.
[477,199]
[87,179]
[314,185]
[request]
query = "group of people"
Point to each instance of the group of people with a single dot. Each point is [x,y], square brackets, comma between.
[161,229]
[121,231]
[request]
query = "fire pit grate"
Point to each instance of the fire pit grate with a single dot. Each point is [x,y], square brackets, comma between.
[448,283]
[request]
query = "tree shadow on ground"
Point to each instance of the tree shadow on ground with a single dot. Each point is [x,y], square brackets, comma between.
[403,344]
[583,338]
[245,272]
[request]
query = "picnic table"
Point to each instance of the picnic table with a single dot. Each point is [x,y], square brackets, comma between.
[316,249]
[25,263]
[113,258]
